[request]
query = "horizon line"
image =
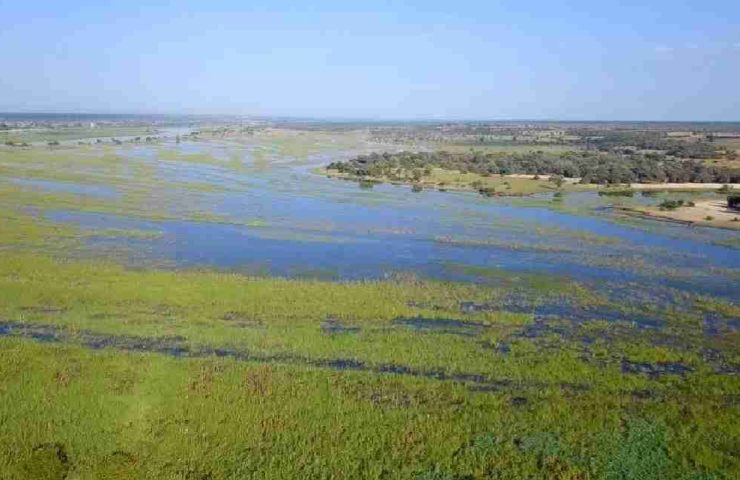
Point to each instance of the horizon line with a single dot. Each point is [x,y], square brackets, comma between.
[358,118]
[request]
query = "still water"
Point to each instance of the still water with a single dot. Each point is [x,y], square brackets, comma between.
[284,218]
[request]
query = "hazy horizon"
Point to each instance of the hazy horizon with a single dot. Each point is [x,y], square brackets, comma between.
[328,119]
[422,61]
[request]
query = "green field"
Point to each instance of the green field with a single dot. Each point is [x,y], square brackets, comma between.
[115,373]
[503,148]
[442,179]
[65,134]
[114,370]
[208,375]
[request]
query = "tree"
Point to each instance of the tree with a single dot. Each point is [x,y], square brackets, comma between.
[733,202]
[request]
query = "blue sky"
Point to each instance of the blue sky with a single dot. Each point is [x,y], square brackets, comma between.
[601,60]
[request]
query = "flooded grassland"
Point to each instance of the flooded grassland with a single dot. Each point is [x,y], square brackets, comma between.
[216,309]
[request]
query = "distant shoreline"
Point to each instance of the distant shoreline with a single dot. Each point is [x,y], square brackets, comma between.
[573,182]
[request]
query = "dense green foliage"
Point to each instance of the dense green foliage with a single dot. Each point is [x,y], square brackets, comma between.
[672,204]
[635,141]
[207,375]
[733,201]
[591,167]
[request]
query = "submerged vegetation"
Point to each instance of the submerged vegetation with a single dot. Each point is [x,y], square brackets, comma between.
[111,368]
[179,366]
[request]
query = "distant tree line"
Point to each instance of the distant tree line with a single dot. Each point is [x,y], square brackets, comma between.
[636,141]
[590,166]
[632,139]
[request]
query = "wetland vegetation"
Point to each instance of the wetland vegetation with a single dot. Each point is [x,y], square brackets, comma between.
[586,166]
[212,306]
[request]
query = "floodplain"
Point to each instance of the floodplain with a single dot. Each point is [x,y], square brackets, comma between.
[213,305]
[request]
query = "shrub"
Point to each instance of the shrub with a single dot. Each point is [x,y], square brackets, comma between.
[733,202]
[487,192]
[616,193]
[670,204]
[725,189]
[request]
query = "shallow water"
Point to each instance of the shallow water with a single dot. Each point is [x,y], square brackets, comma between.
[65,187]
[286,220]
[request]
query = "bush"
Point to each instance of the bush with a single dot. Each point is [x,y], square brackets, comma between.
[592,167]
[616,193]
[671,204]
[733,202]
[558,180]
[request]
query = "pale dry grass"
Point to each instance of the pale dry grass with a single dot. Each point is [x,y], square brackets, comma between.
[705,212]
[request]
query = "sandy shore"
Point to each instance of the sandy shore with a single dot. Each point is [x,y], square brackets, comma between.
[713,213]
[643,186]
[682,186]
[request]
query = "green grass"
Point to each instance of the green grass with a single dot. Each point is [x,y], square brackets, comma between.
[258,392]
[287,414]
[36,135]
[506,148]
[442,179]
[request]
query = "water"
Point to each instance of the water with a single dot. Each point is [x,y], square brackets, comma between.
[65,187]
[283,219]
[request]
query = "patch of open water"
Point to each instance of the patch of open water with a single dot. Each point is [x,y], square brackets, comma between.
[316,224]
[101,191]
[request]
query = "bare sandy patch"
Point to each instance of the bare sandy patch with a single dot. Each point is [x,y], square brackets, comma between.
[683,186]
[714,213]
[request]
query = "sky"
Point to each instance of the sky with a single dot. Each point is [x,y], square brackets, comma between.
[463,59]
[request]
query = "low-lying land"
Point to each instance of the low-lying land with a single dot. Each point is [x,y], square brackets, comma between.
[589,167]
[713,213]
[683,187]
[507,174]
[108,372]
[443,180]
[117,369]
[711,142]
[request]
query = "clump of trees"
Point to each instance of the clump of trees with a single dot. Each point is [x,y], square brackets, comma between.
[622,192]
[733,202]
[589,166]
[656,141]
[11,143]
[674,204]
